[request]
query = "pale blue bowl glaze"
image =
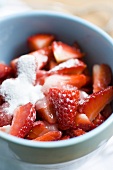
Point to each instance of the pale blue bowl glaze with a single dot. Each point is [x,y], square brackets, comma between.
[14,31]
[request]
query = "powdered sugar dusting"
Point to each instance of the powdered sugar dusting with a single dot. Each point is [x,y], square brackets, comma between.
[20,91]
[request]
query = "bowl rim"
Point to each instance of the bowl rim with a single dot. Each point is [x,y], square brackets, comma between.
[72,141]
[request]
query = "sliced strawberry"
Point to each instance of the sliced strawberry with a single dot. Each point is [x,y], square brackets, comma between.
[102,77]
[5,71]
[45,110]
[5,117]
[39,128]
[94,103]
[50,136]
[64,103]
[24,117]
[41,59]
[72,66]
[75,132]
[39,41]
[98,120]
[82,122]
[63,52]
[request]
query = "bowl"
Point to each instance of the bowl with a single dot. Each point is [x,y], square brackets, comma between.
[14,30]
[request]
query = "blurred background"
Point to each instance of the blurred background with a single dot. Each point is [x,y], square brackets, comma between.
[99,12]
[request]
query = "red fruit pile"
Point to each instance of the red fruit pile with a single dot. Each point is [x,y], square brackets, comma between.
[75,101]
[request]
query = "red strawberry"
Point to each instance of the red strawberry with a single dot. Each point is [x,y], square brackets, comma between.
[5,71]
[40,128]
[5,118]
[63,52]
[72,66]
[102,77]
[65,137]
[24,117]
[75,132]
[82,122]
[39,41]
[94,103]
[64,103]
[50,136]
[98,120]
[107,111]
[45,110]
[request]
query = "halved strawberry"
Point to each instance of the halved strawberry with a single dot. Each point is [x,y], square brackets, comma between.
[94,103]
[50,136]
[64,103]
[5,71]
[45,110]
[102,77]
[63,52]
[39,41]
[72,66]
[5,117]
[24,117]
[82,122]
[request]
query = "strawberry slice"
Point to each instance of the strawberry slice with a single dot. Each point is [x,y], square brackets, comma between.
[40,128]
[45,110]
[24,117]
[63,52]
[82,122]
[94,103]
[39,41]
[75,132]
[72,66]
[5,71]
[64,103]
[5,118]
[102,77]
[50,136]
[98,120]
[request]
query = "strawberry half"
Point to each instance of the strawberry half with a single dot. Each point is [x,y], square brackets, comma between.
[24,117]
[102,77]
[50,136]
[94,103]
[63,52]
[72,66]
[64,103]
[39,41]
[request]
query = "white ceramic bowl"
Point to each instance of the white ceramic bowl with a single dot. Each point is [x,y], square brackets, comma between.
[14,30]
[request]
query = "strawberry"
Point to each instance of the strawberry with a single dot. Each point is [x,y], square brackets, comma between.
[98,120]
[82,122]
[39,128]
[41,59]
[94,103]
[64,102]
[39,41]
[65,137]
[63,52]
[45,110]
[24,117]
[50,136]
[102,77]
[5,118]
[13,65]
[5,71]
[72,66]
[75,132]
